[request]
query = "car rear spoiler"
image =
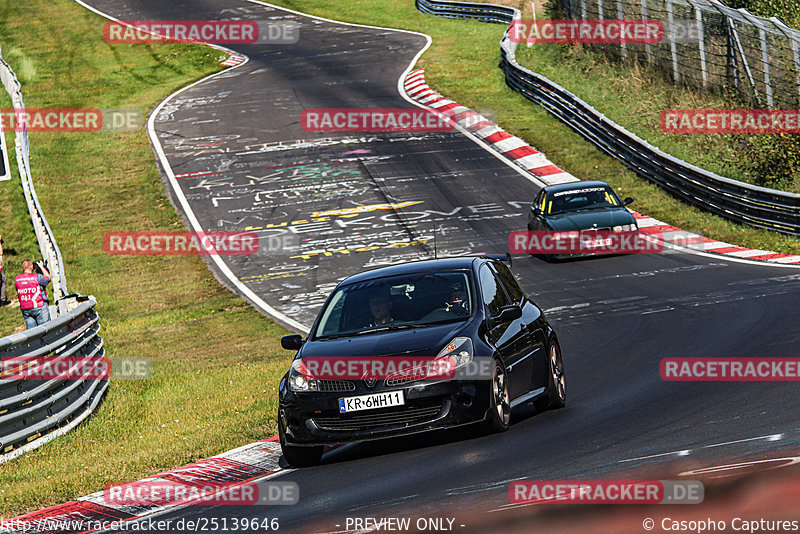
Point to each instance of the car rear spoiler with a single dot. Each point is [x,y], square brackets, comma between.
[499,257]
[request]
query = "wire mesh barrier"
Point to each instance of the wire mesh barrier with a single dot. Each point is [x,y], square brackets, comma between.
[738,201]
[35,411]
[710,45]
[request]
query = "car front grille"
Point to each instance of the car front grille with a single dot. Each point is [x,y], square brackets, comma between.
[392,382]
[335,385]
[400,416]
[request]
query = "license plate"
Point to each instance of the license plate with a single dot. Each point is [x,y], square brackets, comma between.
[597,242]
[371,402]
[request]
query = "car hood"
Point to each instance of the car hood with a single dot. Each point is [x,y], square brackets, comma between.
[583,220]
[427,341]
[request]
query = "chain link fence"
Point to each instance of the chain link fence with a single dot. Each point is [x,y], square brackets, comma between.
[709,45]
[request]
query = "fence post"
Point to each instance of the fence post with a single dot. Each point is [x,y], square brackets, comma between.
[622,45]
[738,44]
[701,44]
[765,61]
[647,49]
[673,47]
[762,36]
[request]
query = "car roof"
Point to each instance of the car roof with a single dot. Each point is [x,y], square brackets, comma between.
[411,267]
[575,185]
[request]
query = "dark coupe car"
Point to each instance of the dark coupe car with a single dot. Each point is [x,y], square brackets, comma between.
[582,206]
[470,311]
[589,205]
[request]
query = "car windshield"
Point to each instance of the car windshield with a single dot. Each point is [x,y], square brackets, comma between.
[585,198]
[396,303]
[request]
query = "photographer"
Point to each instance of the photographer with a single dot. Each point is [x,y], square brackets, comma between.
[32,294]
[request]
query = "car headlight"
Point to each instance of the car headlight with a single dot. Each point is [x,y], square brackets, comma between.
[625,228]
[300,378]
[459,352]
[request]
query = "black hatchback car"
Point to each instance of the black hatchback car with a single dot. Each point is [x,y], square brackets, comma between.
[468,311]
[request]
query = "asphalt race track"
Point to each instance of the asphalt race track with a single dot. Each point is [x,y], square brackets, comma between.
[242,161]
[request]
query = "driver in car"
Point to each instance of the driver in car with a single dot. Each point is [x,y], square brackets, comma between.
[380,305]
[458,299]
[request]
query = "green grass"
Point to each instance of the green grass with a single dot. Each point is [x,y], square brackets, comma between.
[216,360]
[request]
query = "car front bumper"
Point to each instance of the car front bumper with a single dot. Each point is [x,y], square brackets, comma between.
[313,418]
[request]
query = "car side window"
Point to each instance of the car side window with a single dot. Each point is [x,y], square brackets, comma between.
[509,282]
[492,292]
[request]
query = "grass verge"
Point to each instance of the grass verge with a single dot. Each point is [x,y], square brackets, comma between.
[216,360]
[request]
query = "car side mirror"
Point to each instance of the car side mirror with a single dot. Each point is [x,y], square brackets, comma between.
[292,342]
[627,201]
[505,315]
[536,210]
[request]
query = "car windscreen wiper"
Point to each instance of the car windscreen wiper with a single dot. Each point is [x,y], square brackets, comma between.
[451,320]
[390,328]
[592,208]
[334,336]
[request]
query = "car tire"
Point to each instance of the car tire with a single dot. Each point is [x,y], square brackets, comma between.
[299,456]
[556,394]
[499,399]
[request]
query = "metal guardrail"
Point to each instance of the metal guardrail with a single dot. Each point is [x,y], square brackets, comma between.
[47,243]
[33,412]
[738,201]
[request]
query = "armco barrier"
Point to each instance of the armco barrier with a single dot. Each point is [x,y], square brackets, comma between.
[734,200]
[34,412]
[47,243]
